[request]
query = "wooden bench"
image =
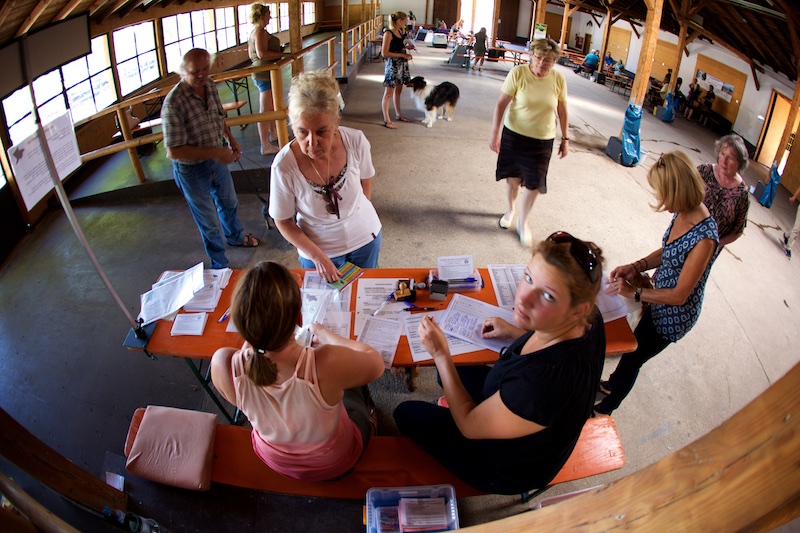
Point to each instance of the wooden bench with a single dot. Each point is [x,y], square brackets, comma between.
[329,25]
[388,462]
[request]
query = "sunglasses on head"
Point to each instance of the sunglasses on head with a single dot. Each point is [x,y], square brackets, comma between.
[579,251]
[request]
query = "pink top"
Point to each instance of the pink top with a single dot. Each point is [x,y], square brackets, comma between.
[295,432]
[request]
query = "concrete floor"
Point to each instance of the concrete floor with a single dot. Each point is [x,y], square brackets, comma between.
[66,377]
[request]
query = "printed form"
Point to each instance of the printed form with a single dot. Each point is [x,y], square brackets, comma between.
[464,319]
[505,279]
[383,335]
[418,352]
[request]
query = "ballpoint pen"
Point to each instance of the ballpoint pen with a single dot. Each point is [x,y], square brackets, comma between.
[224,316]
[415,308]
[389,299]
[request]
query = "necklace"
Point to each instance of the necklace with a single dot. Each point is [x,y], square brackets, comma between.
[321,179]
[328,190]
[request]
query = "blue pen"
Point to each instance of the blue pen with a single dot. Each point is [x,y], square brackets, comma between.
[462,280]
[224,316]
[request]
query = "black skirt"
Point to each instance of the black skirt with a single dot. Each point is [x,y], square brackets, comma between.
[525,158]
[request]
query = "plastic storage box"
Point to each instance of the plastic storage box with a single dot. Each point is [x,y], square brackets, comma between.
[390,497]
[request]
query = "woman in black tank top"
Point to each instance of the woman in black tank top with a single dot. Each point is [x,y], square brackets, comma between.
[396,73]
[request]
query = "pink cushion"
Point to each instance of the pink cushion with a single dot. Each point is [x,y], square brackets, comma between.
[174,447]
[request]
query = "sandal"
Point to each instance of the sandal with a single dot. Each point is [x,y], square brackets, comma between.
[403,118]
[249,241]
[269,149]
[390,125]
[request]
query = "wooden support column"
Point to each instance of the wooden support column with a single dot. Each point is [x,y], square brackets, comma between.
[494,22]
[568,11]
[125,128]
[606,35]
[295,36]
[649,41]
[676,65]
[541,11]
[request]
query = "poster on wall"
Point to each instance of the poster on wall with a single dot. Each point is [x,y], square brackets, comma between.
[539,31]
[721,89]
[28,163]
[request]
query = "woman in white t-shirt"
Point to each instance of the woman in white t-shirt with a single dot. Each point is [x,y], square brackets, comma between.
[321,183]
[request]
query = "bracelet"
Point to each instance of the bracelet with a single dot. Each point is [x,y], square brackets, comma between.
[564,139]
[637,295]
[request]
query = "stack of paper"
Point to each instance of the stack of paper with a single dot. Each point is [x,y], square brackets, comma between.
[207,298]
[189,324]
[422,514]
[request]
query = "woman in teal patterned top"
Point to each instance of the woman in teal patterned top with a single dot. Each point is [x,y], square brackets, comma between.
[688,250]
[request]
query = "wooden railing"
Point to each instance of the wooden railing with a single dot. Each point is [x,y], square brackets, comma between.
[279,114]
[356,39]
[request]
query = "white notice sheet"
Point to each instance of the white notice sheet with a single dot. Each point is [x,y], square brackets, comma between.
[505,279]
[611,306]
[454,267]
[464,319]
[168,297]
[418,352]
[371,294]
[383,335]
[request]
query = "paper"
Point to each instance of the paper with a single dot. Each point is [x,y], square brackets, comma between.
[207,298]
[464,319]
[383,335]
[340,299]
[371,294]
[455,267]
[171,295]
[231,327]
[505,279]
[28,161]
[189,324]
[611,306]
[418,352]
[338,322]
[315,305]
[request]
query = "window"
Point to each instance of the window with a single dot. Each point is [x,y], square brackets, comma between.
[226,28]
[309,13]
[137,63]
[2,178]
[89,82]
[210,29]
[246,27]
[84,86]
[283,22]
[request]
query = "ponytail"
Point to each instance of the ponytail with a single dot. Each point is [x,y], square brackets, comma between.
[261,369]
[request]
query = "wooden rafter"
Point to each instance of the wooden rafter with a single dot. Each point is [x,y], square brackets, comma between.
[5,10]
[96,6]
[67,9]
[721,42]
[127,10]
[33,17]
[117,5]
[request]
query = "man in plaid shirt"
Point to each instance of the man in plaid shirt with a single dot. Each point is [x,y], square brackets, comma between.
[195,138]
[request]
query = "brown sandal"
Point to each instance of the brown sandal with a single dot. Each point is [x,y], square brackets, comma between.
[390,125]
[249,241]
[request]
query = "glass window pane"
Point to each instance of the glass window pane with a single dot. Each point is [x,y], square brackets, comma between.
[208,16]
[200,42]
[145,37]
[124,44]
[211,43]
[184,26]
[198,23]
[170,27]
[173,53]
[100,58]
[81,102]
[47,86]
[231,32]
[185,45]
[22,129]
[103,89]
[17,105]
[222,39]
[129,79]
[148,67]
[75,72]
[284,18]
[2,178]
[52,109]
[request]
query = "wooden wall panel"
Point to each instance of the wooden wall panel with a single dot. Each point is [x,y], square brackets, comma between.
[619,42]
[553,21]
[663,59]
[729,75]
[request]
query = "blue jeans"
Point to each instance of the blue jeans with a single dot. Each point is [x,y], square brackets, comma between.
[208,189]
[365,257]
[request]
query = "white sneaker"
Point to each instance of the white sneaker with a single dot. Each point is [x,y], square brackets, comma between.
[506,220]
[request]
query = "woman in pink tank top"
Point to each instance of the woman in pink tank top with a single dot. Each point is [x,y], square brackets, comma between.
[307,406]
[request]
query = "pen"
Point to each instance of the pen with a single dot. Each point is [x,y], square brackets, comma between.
[415,308]
[462,280]
[389,299]
[224,315]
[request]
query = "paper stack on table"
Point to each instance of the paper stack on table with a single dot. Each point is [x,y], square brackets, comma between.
[207,298]
[189,324]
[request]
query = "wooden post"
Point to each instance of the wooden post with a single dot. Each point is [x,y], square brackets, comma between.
[606,35]
[568,11]
[788,129]
[649,41]
[276,79]
[295,37]
[125,128]
[494,22]
[676,65]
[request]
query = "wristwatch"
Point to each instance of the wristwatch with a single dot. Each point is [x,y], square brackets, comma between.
[637,295]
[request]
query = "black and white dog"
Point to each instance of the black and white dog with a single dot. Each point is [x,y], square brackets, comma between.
[428,98]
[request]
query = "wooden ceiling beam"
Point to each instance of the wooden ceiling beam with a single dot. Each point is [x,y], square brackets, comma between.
[117,5]
[721,42]
[130,8]
[5,10]
[696,9]
[33,17]
[67,9]
[96,7]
